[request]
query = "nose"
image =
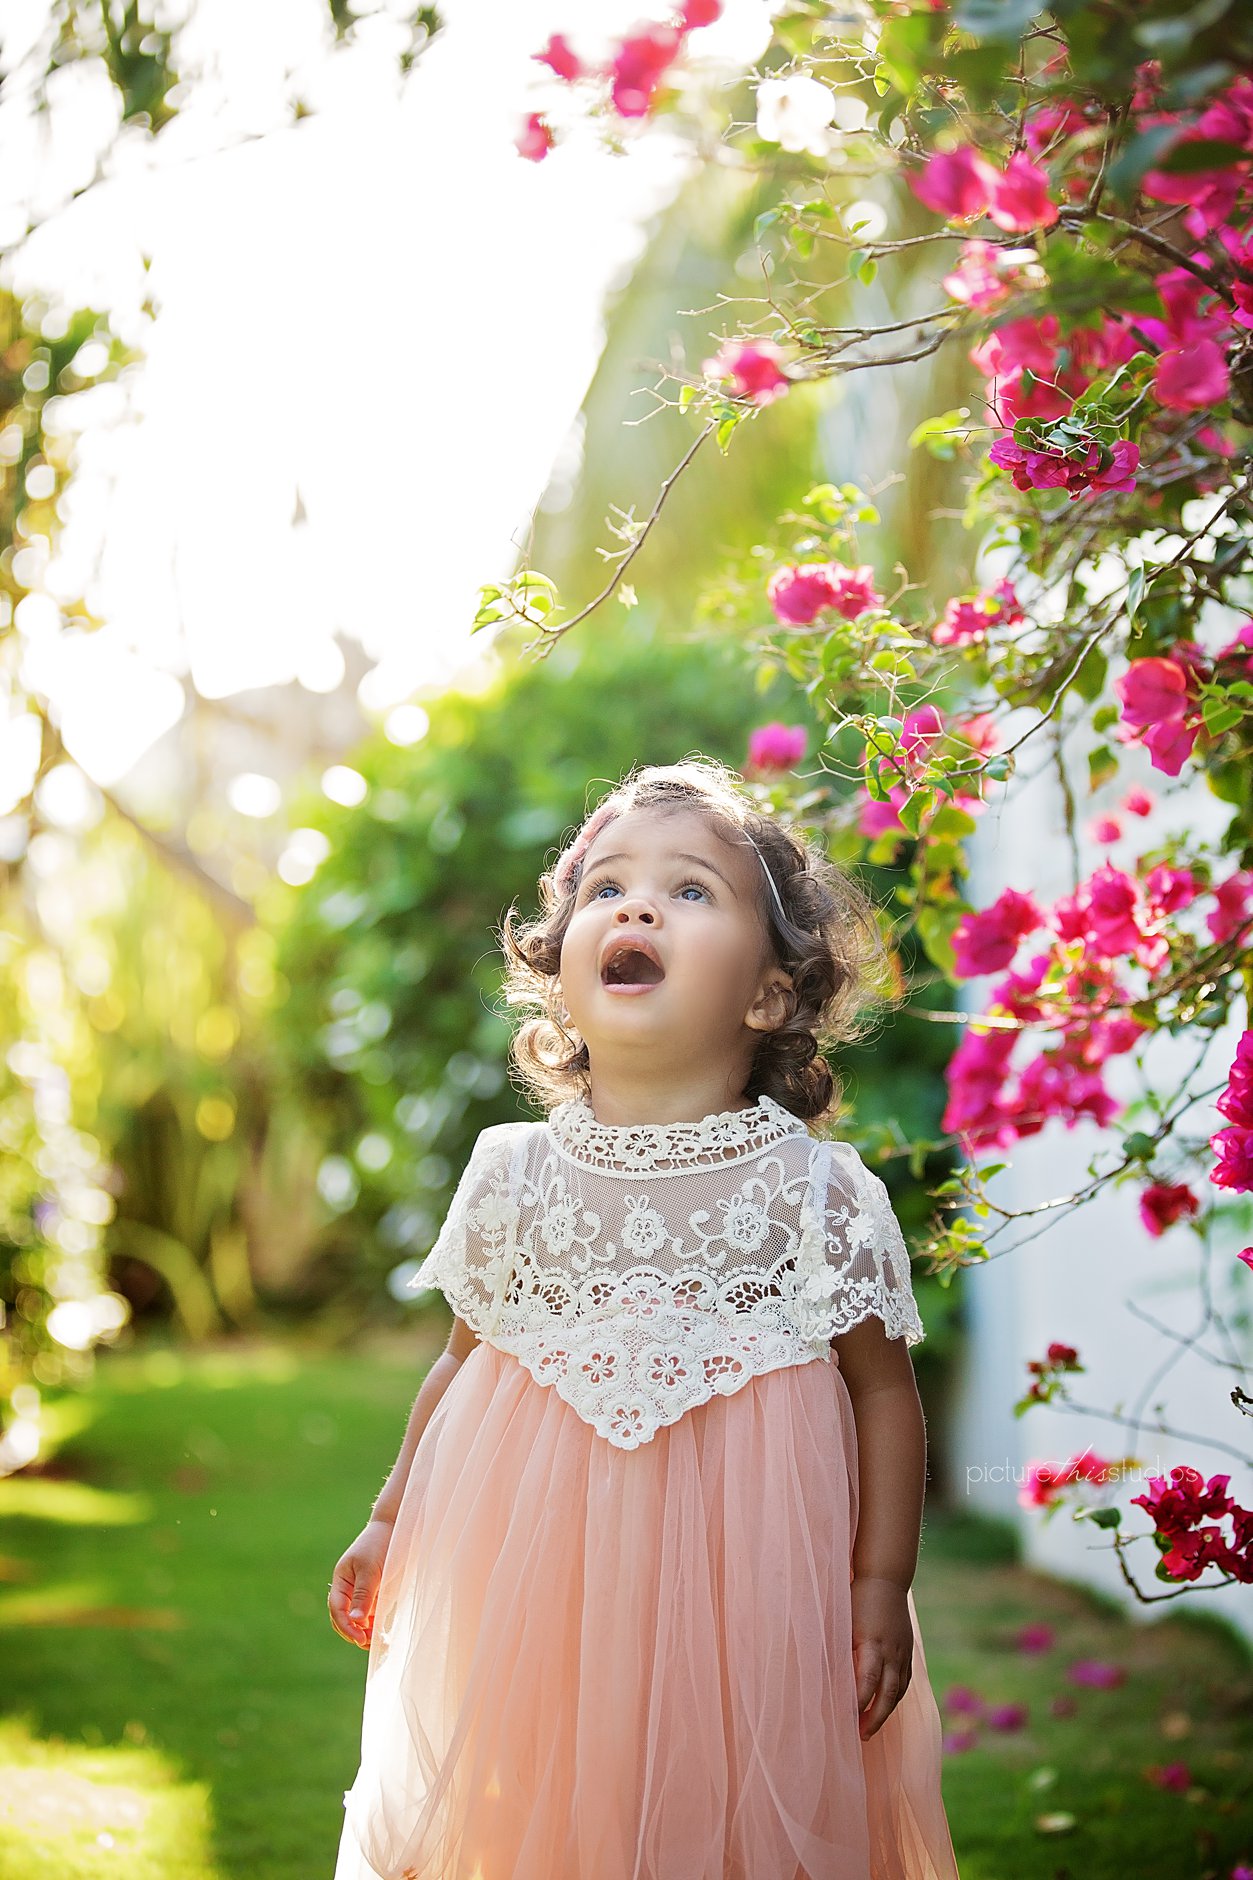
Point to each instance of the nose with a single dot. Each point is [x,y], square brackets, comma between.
[624,910]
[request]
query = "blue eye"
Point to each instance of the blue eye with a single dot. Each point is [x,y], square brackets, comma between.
[596,888]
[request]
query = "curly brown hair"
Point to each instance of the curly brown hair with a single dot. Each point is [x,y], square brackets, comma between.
[829,941]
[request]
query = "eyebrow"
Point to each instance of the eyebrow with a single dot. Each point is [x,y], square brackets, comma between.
[677,855]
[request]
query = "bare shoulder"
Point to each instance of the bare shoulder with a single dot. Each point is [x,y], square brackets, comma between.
[870,1360]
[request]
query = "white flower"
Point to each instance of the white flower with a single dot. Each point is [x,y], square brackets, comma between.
[795,113]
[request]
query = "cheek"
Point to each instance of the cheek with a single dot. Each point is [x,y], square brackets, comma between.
[579,942]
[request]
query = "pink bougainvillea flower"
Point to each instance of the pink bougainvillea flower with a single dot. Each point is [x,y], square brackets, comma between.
[1157,695]
[535,139]
[776,747]
[1234,1167]
[1105,829]
[754,370]
[977,281]
[1176,1776]
[1232,914]
[957,1742]
[1113,903]
[1035,1637]
[799,592]
[976,1075]
[985,941]
[968,618]
[697,13]
[1044,1483]
[1152,689]
[1007,599]
[557,55]
[962,1701]
[1246,1254]
[920,728]
[1185,1511]
[854,590]
[1079,474]
[1026,341]
[1169,890]
[1096,1674]
[1242,293]
[1021,197]
[1187,377]
[1138,802]
[979,732]
[1169,745]
[956,183]
[1066,1355]
[964,622]
[1118,474]
[639,65]
[879,819]
[1006,1716]
[1236,1102]
[1164,1203]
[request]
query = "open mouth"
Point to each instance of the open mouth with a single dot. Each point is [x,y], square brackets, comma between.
[631,965]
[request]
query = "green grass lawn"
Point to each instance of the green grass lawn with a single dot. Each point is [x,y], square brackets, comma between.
[175,1706]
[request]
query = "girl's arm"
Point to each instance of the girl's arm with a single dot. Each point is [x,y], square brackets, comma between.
[359,1570]
[461,1343]
[891,1483]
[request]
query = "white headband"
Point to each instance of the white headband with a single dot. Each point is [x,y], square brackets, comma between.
[778,901]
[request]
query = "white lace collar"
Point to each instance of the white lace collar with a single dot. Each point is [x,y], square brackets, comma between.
[723,1136]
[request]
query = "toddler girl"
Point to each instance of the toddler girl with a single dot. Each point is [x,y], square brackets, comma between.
[637,1592]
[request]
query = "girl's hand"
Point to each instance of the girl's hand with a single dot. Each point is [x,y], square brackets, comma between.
[883,1650]
[355,1583]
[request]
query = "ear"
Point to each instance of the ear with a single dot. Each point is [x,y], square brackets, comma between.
[770,1006]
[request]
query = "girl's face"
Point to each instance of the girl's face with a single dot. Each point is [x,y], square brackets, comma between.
[668,880]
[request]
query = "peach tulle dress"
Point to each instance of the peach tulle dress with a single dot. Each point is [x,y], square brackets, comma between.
[612,1639]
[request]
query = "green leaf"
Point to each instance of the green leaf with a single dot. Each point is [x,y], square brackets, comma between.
[1103,1517]
[1218,716]
[912,811]
[686,394]
[1089,680]
[940,434]
[1201,153]
[1176,32]
[998,20]
[1135,591]
[951,821]
[1139,155]
[723,433]
[867,271]
[1102,765]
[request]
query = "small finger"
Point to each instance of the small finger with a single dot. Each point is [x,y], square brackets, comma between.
[869,1670]
[883,1705]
